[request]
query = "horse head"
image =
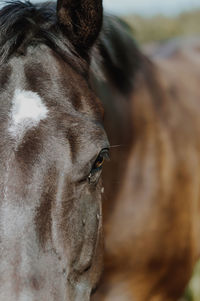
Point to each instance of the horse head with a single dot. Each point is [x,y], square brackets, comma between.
[52,149]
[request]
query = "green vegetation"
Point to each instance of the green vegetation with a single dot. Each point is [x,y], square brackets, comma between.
[193,291]
[161,28]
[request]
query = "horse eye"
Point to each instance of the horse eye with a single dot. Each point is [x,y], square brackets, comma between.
[98,164]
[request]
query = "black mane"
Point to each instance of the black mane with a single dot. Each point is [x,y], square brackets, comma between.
[23,23]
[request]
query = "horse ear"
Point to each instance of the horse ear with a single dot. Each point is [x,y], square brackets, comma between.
[81,21]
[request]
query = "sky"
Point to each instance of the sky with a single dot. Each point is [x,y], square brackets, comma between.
[150,7]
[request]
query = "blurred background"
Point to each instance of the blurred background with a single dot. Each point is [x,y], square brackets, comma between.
[154,21]
[150,7]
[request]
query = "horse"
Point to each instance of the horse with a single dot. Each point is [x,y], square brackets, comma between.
[151,211]
[73,85]
[52,149]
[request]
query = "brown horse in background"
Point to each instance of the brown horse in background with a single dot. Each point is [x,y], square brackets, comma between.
[152,185]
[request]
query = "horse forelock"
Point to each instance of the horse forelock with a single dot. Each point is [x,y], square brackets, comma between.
[23,24]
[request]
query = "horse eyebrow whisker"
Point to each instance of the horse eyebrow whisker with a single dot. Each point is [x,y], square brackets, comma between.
[115,146]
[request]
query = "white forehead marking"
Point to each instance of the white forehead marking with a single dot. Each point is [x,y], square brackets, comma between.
[27,111]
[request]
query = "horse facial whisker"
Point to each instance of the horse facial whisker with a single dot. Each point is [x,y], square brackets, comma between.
[116,146]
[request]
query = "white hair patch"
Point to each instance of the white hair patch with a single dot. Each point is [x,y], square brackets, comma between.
[27,111]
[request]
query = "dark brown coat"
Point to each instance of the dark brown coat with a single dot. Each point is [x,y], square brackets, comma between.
[152,207]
